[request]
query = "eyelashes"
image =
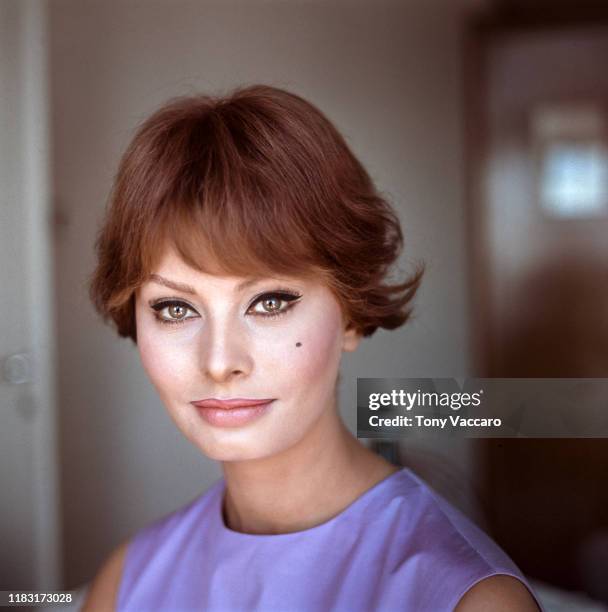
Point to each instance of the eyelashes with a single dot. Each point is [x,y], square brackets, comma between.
[283,299]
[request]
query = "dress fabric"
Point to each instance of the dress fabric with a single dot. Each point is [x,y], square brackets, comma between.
[398,547]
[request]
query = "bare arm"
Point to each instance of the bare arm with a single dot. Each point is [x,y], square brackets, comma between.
[499,593]
[102,593]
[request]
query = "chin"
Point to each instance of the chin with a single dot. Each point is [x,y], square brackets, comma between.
[233,448]
[242,445]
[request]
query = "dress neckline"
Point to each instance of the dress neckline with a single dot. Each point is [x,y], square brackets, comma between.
[359,504]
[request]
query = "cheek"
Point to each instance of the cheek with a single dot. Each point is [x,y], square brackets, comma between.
[165,361]
[312,363]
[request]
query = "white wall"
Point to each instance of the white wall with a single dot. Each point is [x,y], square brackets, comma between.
[29,511]
[387,72]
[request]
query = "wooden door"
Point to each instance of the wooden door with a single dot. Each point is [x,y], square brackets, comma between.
[538,117]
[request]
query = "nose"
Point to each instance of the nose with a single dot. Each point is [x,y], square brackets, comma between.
[225,350]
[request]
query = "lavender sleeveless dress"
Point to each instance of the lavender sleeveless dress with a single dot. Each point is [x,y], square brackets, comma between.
[400,546]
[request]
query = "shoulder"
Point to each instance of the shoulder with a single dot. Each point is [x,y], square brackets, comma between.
[153,552]
[103,591]
[449,532]
[500,593]
[465,563]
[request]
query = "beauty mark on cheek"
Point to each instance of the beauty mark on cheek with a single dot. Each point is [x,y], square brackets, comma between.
[298,344]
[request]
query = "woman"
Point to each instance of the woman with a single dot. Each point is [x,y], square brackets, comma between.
[245,248]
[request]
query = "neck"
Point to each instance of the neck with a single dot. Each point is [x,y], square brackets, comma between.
[303,486]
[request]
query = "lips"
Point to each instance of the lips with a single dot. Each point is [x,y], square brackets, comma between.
[228,404]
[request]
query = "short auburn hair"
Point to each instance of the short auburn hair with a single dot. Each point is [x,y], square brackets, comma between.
[258,181]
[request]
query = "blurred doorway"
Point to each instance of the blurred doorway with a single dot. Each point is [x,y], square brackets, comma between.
[538,119]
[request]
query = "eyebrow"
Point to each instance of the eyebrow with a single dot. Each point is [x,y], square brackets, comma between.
[160,280]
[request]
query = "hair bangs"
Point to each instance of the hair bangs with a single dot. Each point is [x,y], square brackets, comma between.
[228,223]
[232,244]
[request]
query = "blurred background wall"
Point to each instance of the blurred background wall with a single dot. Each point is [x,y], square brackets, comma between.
[29,485]
[388,73]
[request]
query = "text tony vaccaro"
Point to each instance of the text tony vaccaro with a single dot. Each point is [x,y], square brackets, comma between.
[420,399]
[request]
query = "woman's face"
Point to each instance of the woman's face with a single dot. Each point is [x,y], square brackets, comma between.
[256,338]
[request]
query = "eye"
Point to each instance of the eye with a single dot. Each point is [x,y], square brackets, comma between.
[176,311]
[273,304]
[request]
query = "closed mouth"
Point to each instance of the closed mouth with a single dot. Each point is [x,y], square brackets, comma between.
[227,404]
